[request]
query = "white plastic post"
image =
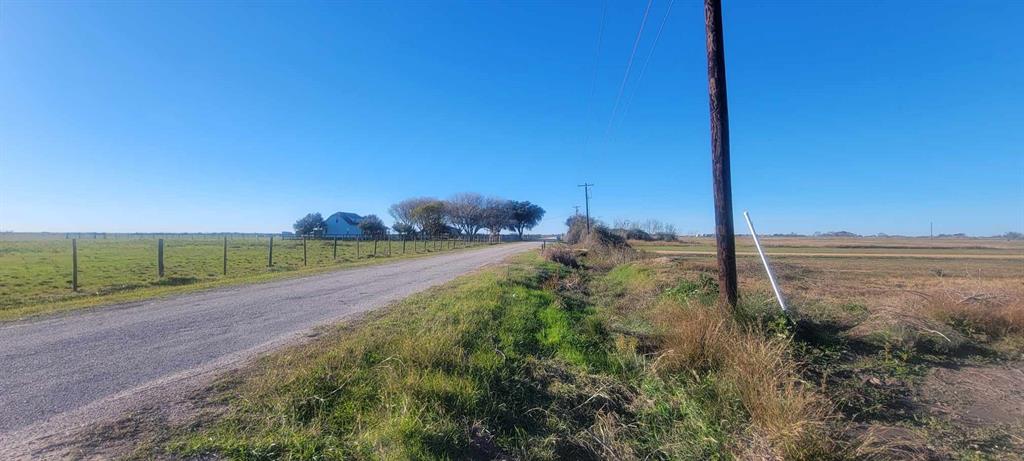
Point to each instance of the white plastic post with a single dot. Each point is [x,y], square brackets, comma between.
[764,259]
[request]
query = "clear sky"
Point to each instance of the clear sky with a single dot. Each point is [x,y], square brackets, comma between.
[230,116]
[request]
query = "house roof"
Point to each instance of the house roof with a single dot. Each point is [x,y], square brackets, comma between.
[350,218]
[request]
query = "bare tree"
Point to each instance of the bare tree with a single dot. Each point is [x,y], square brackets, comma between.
[465,211]
[405,211]
[430,217]
[496,216]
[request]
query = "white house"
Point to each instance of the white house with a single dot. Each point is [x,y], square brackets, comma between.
[342,223]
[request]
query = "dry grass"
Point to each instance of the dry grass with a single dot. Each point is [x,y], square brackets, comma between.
[788,418]
[562,255]
[992,309]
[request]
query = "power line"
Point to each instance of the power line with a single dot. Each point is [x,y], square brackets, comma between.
[643,69]
[629,66]
[593,80]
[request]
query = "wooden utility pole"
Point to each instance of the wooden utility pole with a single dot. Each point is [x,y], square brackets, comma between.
[160,257]
[225,255]
[74,264]
[726,240]
[586,193]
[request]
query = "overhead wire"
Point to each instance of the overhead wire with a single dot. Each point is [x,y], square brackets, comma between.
[629,66]
[647,60]
[593,80]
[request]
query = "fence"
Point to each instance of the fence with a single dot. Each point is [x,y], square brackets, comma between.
[45,270]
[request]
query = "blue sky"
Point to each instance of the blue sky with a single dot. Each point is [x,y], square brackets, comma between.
[228,116]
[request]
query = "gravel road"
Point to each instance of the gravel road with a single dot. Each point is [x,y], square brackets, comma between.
[72,364]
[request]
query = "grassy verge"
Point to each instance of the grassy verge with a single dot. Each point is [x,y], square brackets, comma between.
[535,360]
[34,281]
[589,357]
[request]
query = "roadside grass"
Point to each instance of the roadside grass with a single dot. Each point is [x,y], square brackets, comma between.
[535,360]
[35,275]
[571,358]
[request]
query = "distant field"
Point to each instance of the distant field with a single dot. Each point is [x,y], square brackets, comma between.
[850,247]
[35,272]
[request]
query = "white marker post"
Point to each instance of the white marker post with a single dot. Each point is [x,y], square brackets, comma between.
[764,259]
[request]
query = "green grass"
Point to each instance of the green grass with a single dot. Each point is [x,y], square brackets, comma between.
[520,361]
[35,275]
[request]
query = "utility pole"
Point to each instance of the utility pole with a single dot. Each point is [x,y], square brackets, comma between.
[724,235]
[577,207]
[586,193]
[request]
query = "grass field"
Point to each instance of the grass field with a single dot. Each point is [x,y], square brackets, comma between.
[881,358]
[35,273]
[856,247]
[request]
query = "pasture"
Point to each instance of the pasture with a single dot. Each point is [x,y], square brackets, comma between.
[36,272]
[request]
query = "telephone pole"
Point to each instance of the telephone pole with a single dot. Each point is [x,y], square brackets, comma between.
[586,193]
[720,170]
[577,207]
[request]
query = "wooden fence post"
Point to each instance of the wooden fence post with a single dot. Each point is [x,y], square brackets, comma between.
[335,247]
[358,238]
[389,245]
[375,246]
[74,264]
[303,251]
[160,257]
[404,238]
[225,255]
[270,259]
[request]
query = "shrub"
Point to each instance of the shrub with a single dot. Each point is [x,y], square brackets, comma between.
[633,234]
[562,255]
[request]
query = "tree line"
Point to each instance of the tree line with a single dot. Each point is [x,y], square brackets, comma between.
[466,213]
[462,214]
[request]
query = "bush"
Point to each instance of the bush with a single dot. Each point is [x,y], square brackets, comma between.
[665,236]
[562,255]
[633,234]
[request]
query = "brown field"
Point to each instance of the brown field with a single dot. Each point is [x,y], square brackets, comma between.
[919,343]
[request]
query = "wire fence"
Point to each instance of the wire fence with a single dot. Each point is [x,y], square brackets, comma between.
[40,270]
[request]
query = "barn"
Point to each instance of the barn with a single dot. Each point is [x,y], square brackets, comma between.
[342,223]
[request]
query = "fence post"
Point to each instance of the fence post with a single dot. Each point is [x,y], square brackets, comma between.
[303,251]
[374,246]
[225,255]
[389,245]
[358,238]
[160,257]
[404,238]
[270,259]
[335,247]
[74,264]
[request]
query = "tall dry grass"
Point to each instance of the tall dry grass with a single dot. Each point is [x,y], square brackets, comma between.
[788,419]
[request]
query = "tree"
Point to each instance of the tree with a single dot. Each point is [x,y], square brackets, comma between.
[495,216]
[464,211]
[405,211]
[430,217]
[581,219]
[403,228]
[372,225]
[522,216]
[309,224]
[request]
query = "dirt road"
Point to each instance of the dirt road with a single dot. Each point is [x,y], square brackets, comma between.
[65,371]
